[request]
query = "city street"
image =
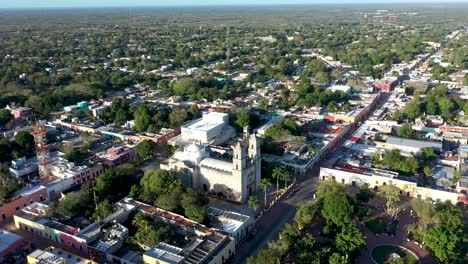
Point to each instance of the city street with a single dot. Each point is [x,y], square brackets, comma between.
[271,223]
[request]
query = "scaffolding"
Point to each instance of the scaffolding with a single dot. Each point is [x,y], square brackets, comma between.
[42,149]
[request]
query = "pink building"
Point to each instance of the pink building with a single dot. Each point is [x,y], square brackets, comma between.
[23,198]
[385,86]
[117,156]
[160,138]
[11,244]
[21,112]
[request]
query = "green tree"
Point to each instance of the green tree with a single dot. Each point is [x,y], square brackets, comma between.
[288,236]
[170,201]
[150,232]
[142,119]
[145,149]
[410,165]
[73,204]
[425,211]
[196,213]
[5,149]
[253,203]
[337,208]
[263,104]
[242,118]
[157,182]
[350,239]
[428,154]
[447,108]
[278,173]
[192,197]
[336,258]
[391,194]
[120,117]
[286,177]
[265,184]
[8,185]
[406,131]
[305,215]
[427,171]
[329,187]
[186,86]
[103,210]
[177,118]
[413,109]
[26,142]
[266,256]
[445,238]
[5,117]
[115,183]
[322,77]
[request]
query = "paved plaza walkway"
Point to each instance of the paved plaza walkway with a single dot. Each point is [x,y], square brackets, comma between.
[400,239]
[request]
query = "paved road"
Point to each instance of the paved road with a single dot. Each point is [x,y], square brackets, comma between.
[271,223]
[279,215]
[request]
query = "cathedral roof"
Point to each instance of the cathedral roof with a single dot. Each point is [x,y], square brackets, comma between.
[216,164]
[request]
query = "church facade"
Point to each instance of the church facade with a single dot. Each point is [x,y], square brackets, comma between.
[234,180]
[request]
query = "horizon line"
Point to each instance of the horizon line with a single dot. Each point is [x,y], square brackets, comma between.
[385,2]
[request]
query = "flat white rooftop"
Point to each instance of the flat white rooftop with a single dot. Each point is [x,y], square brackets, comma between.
[166,253]
[57,256]
[231,221]
[209,121]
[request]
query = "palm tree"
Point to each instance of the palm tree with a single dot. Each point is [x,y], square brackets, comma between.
[140,221]
[278,174]
[3,174]
[265,184]
[286,177]
[253,203]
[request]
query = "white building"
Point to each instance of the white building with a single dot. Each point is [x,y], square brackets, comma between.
[233,180]
[212,128]
[409,146]
[234,224]
[375,178]
[342,88]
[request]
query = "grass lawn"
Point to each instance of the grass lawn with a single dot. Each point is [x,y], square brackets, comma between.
[381,226]
[382,253]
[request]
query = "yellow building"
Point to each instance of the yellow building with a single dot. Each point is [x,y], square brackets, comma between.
[52,255]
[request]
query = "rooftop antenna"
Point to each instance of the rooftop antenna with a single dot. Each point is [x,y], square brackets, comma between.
[42,149]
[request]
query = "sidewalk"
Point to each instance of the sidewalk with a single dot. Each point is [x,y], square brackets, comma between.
[400,239]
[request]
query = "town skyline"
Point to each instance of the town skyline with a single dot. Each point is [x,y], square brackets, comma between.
[29,4]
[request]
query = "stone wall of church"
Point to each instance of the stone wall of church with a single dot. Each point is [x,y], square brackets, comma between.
[220,182]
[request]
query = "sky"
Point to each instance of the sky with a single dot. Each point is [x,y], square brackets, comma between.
[130,3]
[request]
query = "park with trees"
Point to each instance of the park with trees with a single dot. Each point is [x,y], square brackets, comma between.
[348,224]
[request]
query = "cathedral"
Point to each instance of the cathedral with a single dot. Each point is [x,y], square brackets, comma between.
[232,180]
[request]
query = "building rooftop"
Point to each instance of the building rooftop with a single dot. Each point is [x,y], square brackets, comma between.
[53,255]
[413,143]
[203,250]
[166,215]
[36,212]
[165,253]
[230,221]
[216,164]
[209,121]
[7,239]
[112,238]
